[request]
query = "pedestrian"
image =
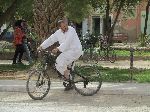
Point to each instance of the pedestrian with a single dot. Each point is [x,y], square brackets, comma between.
[18,42]
[26,43]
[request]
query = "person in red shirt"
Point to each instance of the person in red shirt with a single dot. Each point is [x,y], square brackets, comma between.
[18,42]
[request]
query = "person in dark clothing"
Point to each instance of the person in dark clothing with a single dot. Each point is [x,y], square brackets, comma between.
[26,42]
[18,42]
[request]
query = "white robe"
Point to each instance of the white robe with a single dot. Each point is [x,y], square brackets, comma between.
[70,46]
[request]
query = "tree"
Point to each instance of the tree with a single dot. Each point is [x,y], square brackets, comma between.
[7,10]
[10,9]
[15,9]
[47,13]
[146,19]
[110,6]
[43,14]
[77,10]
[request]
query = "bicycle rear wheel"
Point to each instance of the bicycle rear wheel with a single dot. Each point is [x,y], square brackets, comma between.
[88,82]
[38,84]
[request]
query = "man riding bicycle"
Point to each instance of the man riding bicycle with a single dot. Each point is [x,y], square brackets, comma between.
[70,46]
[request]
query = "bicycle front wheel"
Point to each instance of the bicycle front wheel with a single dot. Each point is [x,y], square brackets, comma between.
[87,80]
[38,84]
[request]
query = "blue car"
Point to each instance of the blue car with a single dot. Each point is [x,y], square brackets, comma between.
[8,37]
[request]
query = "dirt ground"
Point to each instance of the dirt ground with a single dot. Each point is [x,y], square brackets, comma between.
[10,75]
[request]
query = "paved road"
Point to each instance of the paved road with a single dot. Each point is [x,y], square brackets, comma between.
[117,64]
[125,64]
[72,102]
[107,88]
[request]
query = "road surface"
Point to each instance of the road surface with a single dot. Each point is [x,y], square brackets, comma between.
[61,101]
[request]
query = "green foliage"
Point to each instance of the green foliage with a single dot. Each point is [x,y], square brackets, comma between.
[126,53]
[4,4]
[143,39]
[142,76]
[76,10]
[130,8]
[25,10]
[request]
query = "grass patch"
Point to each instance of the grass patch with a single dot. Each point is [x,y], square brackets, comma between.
[122,53]
[127,53]
[108,74]
[17,67]
[121,75]
[7,50]
[142,76]
[115,75]
[124,75]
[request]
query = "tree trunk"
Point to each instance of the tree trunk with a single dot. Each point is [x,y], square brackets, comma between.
[115,21]
[46,14]
[146,19]
[107,18]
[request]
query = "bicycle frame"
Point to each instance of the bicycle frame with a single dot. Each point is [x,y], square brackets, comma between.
[49,62]
[79,82]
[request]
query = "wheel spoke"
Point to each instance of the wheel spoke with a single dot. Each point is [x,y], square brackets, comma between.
[38,85]
[91,82]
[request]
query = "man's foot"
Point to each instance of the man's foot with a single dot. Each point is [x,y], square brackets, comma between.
[68,85]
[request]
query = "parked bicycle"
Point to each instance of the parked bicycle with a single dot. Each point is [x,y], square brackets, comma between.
[105,51]
[86,80]
[89,47]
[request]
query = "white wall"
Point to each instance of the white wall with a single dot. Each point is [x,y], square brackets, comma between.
[84,26]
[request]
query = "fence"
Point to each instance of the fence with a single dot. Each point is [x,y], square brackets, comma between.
[131,50]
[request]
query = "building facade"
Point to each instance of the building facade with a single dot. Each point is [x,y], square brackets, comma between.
[131,26]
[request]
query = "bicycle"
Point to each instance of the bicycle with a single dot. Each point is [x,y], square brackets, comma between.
[86,81]
[89,44]
[105,51]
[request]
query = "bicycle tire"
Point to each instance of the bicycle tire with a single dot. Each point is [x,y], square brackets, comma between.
[41,79]
[87,85]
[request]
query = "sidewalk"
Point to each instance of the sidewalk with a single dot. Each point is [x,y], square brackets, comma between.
[107,88]
[123,64]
